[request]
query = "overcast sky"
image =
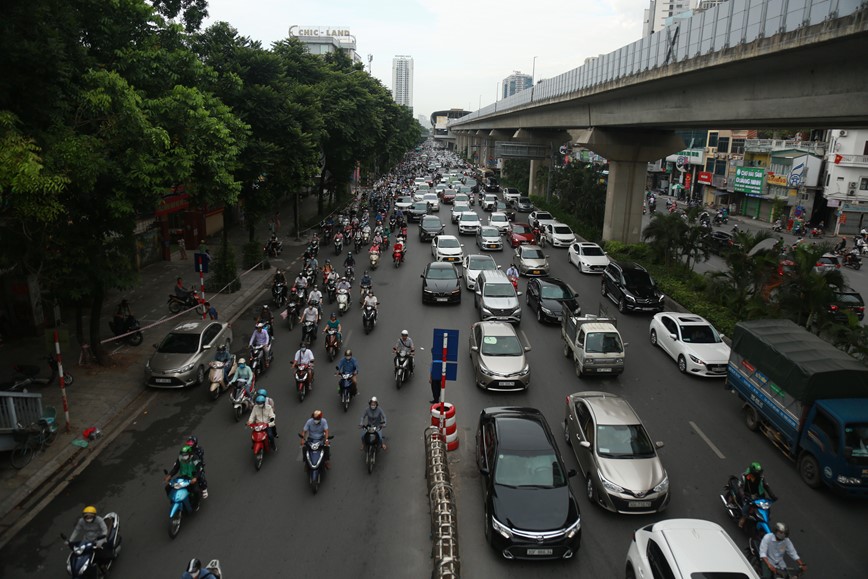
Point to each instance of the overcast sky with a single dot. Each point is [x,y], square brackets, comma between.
[462,49]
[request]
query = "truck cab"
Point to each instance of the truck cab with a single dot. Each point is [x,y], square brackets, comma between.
[594,344]
[834,446]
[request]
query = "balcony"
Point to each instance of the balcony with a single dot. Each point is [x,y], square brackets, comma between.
[769,145]
[848,160]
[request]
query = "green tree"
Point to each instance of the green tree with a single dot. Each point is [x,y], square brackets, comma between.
[805,294]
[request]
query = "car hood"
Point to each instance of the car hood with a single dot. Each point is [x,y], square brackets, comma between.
[594,259]
[710,353]
[640,474]
[500,303]
[557,306]
[441,285]
[449,251]
[523,236]
[532,509]
[492,239]
[644,292]
[163,362]
[507,365]
[534,262]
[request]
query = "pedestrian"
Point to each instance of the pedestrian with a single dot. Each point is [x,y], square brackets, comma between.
[212,311]
[203,247]
[276,222]
[435,384]
[182,247]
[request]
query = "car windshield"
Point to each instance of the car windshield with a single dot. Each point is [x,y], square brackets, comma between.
[623,441]
[481,264]
[430,196]
[460,208]
[421,206]
[499,290]
[539,469]
[405,200]
[851,299]
[699,335]
[532,254]
[431,222]
[520,229]
[489,232]
[544,215]
[592,250]
[603,343]
[469,217]
[501,218]
[176,343]
[441,273]
[563,230]
[501,346]
[555,292]
[524,200]
[856,438]
[448,243]
[636,278]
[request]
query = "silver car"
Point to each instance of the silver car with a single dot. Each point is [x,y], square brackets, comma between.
[622,470]
[488,239]
[475,263]
[182,357]
[530,260]
[498,357]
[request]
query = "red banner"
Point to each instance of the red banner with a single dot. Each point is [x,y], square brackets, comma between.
[704,177]
[687,181]
[172,204]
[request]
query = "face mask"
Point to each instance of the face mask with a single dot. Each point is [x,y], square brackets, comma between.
[373,406]
[317,420]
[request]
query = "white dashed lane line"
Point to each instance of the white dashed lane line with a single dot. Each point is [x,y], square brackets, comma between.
[707,440]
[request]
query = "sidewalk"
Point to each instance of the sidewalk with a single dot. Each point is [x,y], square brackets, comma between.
[108,397]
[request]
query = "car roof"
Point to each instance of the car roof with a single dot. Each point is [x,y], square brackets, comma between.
[548,280]
[494,328]
[588,244]
[698,545]
[608,408]
[192,327]
[520,428]
[687,319]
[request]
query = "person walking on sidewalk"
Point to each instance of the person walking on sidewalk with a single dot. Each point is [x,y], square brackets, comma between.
[182,247]
[211,310]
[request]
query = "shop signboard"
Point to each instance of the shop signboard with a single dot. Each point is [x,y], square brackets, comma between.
[704,177]
[749,180]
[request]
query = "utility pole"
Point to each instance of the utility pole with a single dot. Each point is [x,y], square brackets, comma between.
[370,60]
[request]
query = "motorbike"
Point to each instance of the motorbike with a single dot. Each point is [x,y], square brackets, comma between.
[176,304]
[273,247]
[292,312]
[758,523]
[85,560]
[302,380]
[375,258]
[27,375]
[364,290]
[816,232]
[398,255]
[514,281]
[402,367]
[259,441]
[357,243]
[125,325]
[331,290]
[372,445]
[851,259]
[339,243]
[242,403]
[777,227]
[256,360]
[278,293]
[343,299]
[182,500]
[308,332]
[369,318]
[350,273]
[314,458]
[219,375]
[345,387]
[313,247]
[332,344]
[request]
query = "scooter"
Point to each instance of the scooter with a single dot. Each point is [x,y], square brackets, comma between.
[369,319]
[241,401]
[851,259]
[219,377]
[292,311]
[314,458]
[308,332]
[343,299]
[302,380]
[125,325]
[176,304]
[332,344]
[364,290]
[398,255]
[182,500]
[83,560]
[26,375]
[260,442]
[758,523]
[345,387]
[350,273]
[278,293]
[339,243]
[375,258]
[257,359]
[372,445]
[777,227]
[402,367]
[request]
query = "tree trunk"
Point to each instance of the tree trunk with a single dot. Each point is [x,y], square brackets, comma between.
[96,303]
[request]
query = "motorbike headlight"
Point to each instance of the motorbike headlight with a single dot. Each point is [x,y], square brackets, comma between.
[501,528]
[663,486]
[610,486]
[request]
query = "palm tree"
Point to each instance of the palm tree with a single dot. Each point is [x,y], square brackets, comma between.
[664,236]
[742,285]
[805,294]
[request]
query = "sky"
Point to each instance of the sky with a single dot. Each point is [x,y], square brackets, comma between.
[461,49]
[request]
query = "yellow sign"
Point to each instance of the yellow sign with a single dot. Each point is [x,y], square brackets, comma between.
[775,179]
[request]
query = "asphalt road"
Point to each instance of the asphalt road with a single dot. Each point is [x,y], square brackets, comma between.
[270,523]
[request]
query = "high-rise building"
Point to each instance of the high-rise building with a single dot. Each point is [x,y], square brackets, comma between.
[516,82]
[659,11]
[324,40]
[402,80]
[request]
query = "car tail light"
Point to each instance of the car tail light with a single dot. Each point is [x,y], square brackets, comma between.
[834,308]
[860,309]
[819,264]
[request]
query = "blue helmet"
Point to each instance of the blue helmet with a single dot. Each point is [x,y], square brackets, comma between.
[262,392]
[260,400]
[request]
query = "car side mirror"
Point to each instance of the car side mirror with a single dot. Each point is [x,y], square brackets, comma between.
[206,347]
[626,344]
[422,275]
[527,348]
[500,267]
[674,337]
[474,348]
[722,336]
[571,473]
[659,444]
[518,293]
[585,444]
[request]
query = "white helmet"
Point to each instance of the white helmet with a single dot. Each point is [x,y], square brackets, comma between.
[405,333]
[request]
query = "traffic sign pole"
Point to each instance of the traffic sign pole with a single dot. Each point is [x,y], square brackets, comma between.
[443,387]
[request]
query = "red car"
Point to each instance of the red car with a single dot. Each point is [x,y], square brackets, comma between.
[520,233]
[448,196]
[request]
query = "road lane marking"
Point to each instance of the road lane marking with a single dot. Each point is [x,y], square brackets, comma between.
[707,440]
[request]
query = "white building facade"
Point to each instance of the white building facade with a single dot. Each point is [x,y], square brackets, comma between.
[657,13]
[402,80]
[846,183]
[324,40]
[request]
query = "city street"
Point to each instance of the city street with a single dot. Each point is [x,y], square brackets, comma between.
[269,522]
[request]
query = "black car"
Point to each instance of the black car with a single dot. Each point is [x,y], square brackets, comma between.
[847,301]
[504,208]
[720,242]
[549,297]
[440,283]
[430,227]
[630,286]
[523,205]
[417,210]
[530,510]
[491,185]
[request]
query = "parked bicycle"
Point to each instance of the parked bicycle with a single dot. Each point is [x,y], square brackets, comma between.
[34,438]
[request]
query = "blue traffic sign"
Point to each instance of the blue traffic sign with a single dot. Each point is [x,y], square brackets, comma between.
[451,345]
[437,371]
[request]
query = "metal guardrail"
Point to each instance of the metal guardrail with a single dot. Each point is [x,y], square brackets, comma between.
[444,513]
[19,407]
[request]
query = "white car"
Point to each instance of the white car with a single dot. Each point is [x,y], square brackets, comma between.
[447,248]
[499,221]
[458,209]
[440,187]
[686,549]
[692,342]
[419,194]
[468,223]
[475,263]
[403,203]
[432,200]
[511,194]
[558,234]
[588,257]
[540,218]
[489,202]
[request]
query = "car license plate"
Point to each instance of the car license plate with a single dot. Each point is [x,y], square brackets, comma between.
[638,504]
[604,369]
[536,271]
[492,245]
[539,551]
[507,383]
[163,380]
[441,299]
[451,259]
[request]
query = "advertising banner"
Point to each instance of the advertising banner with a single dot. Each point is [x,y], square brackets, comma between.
[749,180]
[704,177]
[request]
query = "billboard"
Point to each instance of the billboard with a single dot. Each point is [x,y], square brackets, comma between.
[749,180]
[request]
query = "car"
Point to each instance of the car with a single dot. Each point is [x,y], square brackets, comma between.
[488,239]
[430,227]
[419,193]
[499,221]
[441,283]
[432,200]
[529,508]
[461,198]
[519,233]
[530,260]
[496,298]
[181,358]
[847,301]
[489,202]
[511,195]
[523,205]
[468,223]
[558,234]
[588,257]
[447,248]
[720,242]
[475,263]
[827,262]
[448,196]
[458,209]
[691,341]
[631,287]
[551,298]
[491,185]
[686,549]
[441,187]
[498,357]
[502,207]
[417,210]
[540,218]
[403,203]
[623,472]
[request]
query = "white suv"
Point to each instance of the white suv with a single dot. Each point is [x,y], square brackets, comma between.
[685,548]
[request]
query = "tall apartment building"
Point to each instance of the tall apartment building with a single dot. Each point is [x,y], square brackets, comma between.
[402,80]
[516,82]
[659,11]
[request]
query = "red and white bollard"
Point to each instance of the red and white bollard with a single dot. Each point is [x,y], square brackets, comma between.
[445,411]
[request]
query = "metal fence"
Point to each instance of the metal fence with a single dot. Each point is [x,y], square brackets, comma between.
[444,513]
[721,27]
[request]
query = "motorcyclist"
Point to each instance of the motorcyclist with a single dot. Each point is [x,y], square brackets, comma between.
[772,549]
[326,270]
[279,277]
[343,284]
[300,283]
[371,300]
[753,486]
[373,416]
[512,272]
[841,245]
[180,291]
[405,342]
[187,465]
[266,316]
[365,284]
[193,443]
[315,297]
[398,248]
[224,356]
[90,528]
[243,374]
[268,401]
[261,338]
[195,570]
[310,314]
[350,261]
[333,323]
[317,428]
[349,365]
[304,355]
[264,413]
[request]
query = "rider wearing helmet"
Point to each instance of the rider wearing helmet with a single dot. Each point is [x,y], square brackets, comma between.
[333,323]
[187,465]
[260,337]
[263,392]
[753,486]
[772,549]
[317,428]
[90,528]
[349,365]
[224,356]
[304,355]
[374,416]
[193,443]
[195,570]
[405,342]
[266,316]
[245,375]
[350,260]
[262,412]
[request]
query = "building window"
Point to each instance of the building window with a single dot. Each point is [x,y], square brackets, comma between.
[737,147]
[723,145]
[863,184]
[712,139]
[709,164]
[865,148]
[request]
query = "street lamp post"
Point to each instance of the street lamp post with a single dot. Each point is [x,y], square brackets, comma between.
[533,78]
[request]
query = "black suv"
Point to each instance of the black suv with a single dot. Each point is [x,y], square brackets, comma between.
[530,510]
[847,301]
[630,286]
[417,210]
[430,227]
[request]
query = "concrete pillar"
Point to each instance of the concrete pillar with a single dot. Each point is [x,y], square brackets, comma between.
[535,187]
